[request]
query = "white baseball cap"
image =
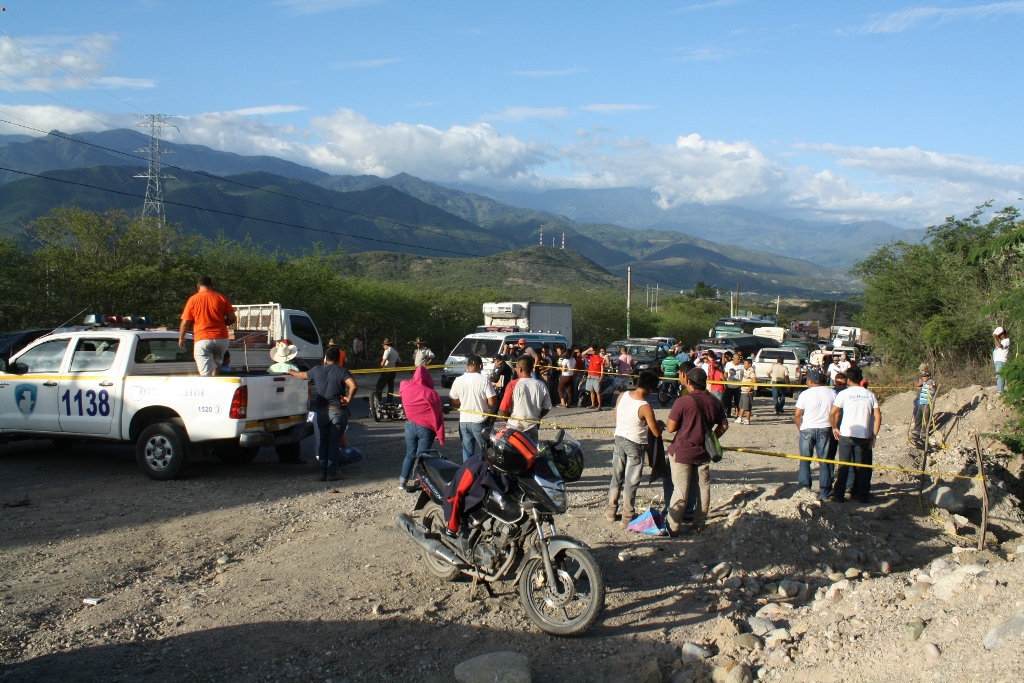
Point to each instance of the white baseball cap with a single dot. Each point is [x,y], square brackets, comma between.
[998,330]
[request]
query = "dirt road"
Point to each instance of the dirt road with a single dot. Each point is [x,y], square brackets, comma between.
[260,572]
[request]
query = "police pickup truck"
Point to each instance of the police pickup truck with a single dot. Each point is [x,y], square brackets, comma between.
[139,387]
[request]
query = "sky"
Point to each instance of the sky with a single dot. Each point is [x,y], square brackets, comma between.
[828,109]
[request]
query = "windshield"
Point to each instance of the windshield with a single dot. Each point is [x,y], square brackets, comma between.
[725,330]
[485,348]
[773,354]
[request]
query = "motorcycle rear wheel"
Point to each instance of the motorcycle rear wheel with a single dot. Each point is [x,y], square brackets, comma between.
[376,412]
[664,395]
[432,518]
[582,598]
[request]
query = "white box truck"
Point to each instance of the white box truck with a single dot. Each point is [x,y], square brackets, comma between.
[528,316]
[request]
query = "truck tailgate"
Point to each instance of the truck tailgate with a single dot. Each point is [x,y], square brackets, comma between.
[275,396]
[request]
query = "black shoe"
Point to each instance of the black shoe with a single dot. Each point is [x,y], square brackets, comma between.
[835,499]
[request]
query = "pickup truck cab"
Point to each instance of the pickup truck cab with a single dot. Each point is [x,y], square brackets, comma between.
[139,387]
[766,358]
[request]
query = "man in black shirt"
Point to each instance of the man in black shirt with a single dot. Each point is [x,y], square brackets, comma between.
[335,389]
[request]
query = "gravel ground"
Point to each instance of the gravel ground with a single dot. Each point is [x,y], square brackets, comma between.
[260,572]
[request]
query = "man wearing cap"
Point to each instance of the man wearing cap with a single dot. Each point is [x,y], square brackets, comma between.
[423,355]
[208,314]
[502,375]
[281,354]
[690,416]
[1000,355]
[813,406]
[474,395]
[335,389]
[387,378]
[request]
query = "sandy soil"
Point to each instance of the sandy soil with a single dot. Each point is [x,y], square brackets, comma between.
[260,572]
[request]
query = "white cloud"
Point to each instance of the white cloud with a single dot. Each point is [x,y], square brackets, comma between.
[269,109]
[912,17]
[365,63]
[615,108]
[713,4]
[50,63]
[319,6]
[707,53]
[51,117]
[541,73]
[521,113]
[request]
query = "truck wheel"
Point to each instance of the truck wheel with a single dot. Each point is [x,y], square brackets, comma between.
[289,452]
[233,454]
[161,450]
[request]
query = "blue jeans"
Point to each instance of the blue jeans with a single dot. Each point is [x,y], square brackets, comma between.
[472,436]
[1000,381]
[417,440]
[858,451]
[779,398]
[331,424]
[819,443]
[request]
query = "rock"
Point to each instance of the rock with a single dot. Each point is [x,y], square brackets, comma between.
[747,641]
[760,626]
[836,576]
[725,629]
[750,583]
[734,582]
[770,609]
[721,570]
[625,556]
[778,637]
[947,499]
[651,672]
[932,652]
[960,521]
[494,667]
[1008,630]
[885,567]
[691,652]
[789,589]
[223,559]
[913,629]
[836,590]
[917,591]
[683,676]
[740,674]
[953,584]
[852,573]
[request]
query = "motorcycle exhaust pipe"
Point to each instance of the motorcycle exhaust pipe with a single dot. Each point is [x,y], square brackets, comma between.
[415,531]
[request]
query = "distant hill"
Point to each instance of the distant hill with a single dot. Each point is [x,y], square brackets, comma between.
[831,244]
[51,153]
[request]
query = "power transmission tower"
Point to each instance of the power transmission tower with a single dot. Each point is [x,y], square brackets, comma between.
[154,204]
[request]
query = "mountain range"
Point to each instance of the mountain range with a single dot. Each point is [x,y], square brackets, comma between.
[224,193]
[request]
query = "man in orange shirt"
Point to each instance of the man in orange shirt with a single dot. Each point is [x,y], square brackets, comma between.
[208,314]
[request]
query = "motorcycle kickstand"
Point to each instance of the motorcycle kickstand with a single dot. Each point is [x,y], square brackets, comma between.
[472,589]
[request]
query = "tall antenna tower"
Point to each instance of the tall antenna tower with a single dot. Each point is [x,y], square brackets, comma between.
[154,204]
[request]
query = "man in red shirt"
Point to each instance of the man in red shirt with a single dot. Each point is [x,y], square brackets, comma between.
[208,314]
[595,369]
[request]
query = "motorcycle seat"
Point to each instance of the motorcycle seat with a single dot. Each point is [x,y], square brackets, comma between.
[440,471]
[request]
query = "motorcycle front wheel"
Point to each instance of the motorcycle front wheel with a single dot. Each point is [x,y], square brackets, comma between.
[663,395]
[376,412]
[574,605]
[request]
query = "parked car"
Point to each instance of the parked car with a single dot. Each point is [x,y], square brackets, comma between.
[12,342]
[647,353]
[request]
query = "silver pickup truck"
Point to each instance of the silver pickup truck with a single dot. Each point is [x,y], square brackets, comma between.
[139,387]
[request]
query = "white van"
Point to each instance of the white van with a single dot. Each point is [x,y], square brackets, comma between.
[489,344]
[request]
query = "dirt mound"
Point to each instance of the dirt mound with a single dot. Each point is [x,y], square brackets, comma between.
[959,413]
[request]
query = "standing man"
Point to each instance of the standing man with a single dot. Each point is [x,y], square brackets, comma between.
[670,372]
[471,391]
[501,376]
[813,407]
[567,364]
[856,419]
[690,416]
[526,400]
[633,418]
[1000,355]
[335,389]
[623,364]
[525,350]
[924,403]
[387,378]
[595,370]
[779,374]
[208,314]
[423,354]
[734,373]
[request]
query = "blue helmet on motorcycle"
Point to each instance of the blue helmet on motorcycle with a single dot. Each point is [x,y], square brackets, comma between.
[511,451]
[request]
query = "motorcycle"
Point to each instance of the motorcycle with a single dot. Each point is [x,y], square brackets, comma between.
[385,411]
[513,536]
[668,391]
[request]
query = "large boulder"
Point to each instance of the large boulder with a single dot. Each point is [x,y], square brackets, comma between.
[494,667]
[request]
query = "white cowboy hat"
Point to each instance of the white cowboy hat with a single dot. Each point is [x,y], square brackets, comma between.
[282,353]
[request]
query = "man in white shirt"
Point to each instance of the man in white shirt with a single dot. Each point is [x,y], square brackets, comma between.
[473,394]
[733,373]
[389,359]
[813,407]
[529,400]
[855,418]
[1000,355]
[423,355]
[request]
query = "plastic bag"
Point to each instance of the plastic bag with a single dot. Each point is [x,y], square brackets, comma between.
[650,523]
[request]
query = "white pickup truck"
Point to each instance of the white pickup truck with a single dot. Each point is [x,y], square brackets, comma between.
[766,358]
[139,387]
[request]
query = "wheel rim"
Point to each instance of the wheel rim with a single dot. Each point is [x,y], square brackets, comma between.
[570,603]
[433,520]
[159,453]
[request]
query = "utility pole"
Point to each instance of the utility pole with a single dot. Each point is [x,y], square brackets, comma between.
[737,299]
[629,295]
[154,204]
[778,300]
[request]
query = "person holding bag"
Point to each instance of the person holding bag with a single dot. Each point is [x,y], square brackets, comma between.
[697,419]
[424,419]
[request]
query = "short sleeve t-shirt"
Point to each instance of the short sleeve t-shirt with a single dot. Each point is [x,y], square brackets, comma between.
[816,402]
[472,390]
[568,365]
[734,372]
[624,364]
[1002,354]
[390,357]
[206,309]
[858,405]
[595,364]
[670,366]
[529,398]
[329,382]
